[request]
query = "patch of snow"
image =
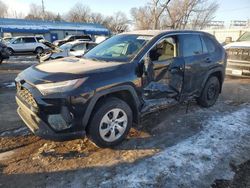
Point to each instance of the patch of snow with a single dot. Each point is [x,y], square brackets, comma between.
[22,131]
[9,85]
[191,162]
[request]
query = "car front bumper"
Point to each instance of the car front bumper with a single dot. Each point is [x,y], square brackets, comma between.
[238,68]
[40,128]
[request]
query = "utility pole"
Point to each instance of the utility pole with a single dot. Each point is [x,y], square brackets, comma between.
[43,9]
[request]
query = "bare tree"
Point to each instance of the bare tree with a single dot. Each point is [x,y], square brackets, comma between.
[3,9]
[178,14]
[37,12]
[117,23]
[142,17]
[79,13]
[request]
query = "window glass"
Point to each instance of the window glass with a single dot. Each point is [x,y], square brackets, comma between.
[209,44]
[191,45]
[79,47]
[244,37]
[121,48]
[90,46]
[164,50]
[204,46]
[39,38]
[18,41]
[29,40]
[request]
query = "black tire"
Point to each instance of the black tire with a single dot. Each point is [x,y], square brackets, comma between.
[11,51]
[39,50]
[105,109]
[1,59]
[210,92]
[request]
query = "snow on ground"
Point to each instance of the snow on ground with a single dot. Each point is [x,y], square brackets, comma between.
[191,162]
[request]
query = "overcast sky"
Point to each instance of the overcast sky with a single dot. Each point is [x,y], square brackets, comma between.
[229,9]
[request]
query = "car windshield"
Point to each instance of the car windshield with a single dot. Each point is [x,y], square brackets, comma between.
[65,46]
[244,37]
[68,37]
[120,48]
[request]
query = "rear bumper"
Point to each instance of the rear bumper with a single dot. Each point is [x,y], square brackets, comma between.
[238,68]
[40,128]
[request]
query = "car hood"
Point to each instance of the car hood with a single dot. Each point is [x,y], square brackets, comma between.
[66,69]
[244,44]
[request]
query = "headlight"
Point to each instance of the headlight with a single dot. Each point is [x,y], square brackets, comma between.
[60,87]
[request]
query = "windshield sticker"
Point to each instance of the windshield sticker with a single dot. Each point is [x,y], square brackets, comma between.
[144,38]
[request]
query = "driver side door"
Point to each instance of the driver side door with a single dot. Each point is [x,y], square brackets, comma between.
[163,70]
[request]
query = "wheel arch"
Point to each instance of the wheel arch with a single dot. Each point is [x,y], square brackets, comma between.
[126,93]
[218,72]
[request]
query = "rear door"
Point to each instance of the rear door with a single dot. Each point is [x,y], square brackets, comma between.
[196,61]
[164,70]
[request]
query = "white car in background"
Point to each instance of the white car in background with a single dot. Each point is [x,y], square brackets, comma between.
[76,48]
[238,62]
[26,44]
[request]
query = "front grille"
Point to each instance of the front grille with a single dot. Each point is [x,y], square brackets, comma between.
[238,54]
[26,96]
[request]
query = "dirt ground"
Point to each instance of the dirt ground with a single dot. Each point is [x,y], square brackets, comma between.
[176,147]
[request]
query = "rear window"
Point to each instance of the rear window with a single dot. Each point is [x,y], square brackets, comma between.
[209,44]
[29,40]
[191,45]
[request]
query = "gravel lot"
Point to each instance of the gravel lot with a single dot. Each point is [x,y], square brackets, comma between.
[170,148]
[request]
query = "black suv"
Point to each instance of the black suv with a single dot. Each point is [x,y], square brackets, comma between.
[4,52]
[117,82]
[71,38]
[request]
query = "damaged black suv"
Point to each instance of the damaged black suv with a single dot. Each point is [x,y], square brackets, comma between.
[117,82]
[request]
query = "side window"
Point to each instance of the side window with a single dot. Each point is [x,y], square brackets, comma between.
[18,41]
[29,40]
[79,47]
[209,44]
[163,50]
[191,45]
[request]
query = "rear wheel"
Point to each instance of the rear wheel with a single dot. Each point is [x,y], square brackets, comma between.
[110,123]
[210,92]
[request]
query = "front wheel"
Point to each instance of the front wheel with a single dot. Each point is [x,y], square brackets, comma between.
[39,50]
[210,92]
[1,59]
[110,123]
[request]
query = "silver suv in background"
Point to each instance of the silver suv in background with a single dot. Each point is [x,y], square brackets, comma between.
[26,44]
[238,52]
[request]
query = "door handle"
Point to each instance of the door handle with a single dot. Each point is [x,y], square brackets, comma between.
[208,60]
[175,70]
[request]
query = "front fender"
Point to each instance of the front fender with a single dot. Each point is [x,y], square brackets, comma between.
[109,91]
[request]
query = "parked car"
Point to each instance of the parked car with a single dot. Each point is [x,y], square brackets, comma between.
[118,82]
[7,39]
[26,44]
[239,57]
[76,48]
[4,53]
[71,38]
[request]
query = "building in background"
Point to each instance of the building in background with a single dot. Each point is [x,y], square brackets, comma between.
[230,33]
[51,30]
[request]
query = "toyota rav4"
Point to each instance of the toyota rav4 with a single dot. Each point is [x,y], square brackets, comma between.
[119,81]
